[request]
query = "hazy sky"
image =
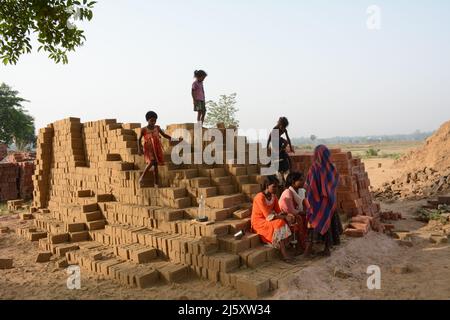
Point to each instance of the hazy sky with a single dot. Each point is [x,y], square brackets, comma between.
[315,62]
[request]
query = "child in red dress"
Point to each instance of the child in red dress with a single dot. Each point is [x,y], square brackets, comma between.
[152,151]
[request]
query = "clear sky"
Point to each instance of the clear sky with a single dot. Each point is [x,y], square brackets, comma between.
[315,62]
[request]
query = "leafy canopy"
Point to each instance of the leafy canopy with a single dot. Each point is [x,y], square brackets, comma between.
[223,111]
[16,125]
[53,22]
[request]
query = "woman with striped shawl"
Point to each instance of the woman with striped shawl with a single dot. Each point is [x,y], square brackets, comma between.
[321,184]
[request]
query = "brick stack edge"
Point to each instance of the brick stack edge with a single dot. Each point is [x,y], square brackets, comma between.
[16,171]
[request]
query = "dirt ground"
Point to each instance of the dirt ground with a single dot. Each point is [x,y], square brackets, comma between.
[427,277]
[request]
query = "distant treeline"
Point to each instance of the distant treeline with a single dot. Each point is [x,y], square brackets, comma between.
[416,136]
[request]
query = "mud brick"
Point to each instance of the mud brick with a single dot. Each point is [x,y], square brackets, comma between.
[146,278]
[4,230]
[229,244]
[252,287]
[217,229]
[43,257]
[251,188]
[238,171]
[36,236]
[254,239]
[114,269]
[6,264]
[106,264]
[256,258]
[89,208]
[79,236]
[75,227]
[238,225]
[59,238]
[388,227]
[96,225]
[123,251]
[360,226]
[100,198]
[225,279]
[174,273]
[62,263]
[355,233]
[26,216]
[229,263]
[213,275]
[242,214]
[142,255]
[93,216]
[61,250]
[84,193]
[271,253]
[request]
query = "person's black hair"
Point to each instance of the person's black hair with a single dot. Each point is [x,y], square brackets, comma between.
[150,115]
[284,122]
[200,73]
[269,180]
[292,177]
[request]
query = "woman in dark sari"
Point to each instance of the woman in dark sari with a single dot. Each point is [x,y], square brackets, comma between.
[323,220]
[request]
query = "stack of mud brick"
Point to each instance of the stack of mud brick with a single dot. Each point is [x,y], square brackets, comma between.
[90,210]
[16,171]
[353,195]
[3,151]
[8,181]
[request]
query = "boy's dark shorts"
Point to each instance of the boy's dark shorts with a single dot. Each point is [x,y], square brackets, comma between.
[200,106]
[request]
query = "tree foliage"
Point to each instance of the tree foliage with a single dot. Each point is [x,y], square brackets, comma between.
[16,125]
[52,21]
[223,111]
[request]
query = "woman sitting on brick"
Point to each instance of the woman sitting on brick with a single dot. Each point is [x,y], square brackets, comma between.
[293,202]
[267,219]
[321,184]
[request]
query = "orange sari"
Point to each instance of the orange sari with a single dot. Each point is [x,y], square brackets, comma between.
[273,231]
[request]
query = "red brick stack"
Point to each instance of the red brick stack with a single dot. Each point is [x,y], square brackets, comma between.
[3,151]
[16,176]
[8,181]
[354,198]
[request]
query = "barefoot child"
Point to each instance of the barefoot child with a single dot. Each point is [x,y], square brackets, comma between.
[198,95]
[285,161]
[152,151]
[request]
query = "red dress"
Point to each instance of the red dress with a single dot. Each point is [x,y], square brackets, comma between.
[269,231]
[153,150]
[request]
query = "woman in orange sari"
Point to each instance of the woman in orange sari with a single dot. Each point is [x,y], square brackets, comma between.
[267,219]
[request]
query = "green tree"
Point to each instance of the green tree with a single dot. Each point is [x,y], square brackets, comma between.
[16,125]
[223,111]
[53,22]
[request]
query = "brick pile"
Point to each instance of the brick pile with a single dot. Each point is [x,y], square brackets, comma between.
[90,210]
[8,181]
[3,151]
[16,171]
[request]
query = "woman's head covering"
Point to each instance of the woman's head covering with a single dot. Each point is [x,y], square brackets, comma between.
[321,187]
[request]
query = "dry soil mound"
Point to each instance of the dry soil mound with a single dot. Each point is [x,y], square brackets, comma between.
[425,171]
